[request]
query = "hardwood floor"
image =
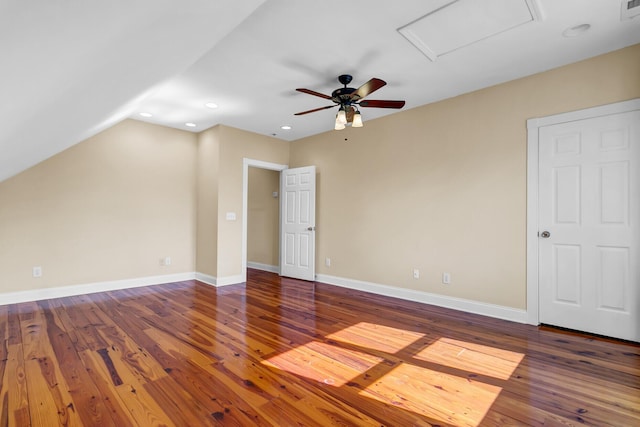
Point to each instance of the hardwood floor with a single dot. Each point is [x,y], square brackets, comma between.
[286,352]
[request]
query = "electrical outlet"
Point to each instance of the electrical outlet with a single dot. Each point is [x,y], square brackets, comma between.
[446,278]
[327,262]
[37,271]
[416,273]
[167,260]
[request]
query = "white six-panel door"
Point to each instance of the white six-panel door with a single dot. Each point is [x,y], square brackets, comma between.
[298,220]
[589,204]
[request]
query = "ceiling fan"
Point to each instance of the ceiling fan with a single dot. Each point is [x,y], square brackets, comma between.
[349,99]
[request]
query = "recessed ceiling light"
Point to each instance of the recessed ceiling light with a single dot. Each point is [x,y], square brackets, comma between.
[285,127]
[576,31]
[211,105]
[146,114]
[191,125]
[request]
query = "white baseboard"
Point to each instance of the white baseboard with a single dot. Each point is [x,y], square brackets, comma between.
[113,285]
[229,280]
[90,288]
[469,306]
[491,310]
[264,267]
[218,281]
[205,278]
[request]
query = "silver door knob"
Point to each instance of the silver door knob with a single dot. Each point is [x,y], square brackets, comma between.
[310,228]
[545,234]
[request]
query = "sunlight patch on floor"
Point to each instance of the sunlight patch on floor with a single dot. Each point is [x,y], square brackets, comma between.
[449,398]
[454,394]
[324,363]
[474,358]
[376,337]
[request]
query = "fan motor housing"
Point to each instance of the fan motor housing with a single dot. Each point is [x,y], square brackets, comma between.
[344,95]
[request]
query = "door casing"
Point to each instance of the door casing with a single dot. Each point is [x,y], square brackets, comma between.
[533,125]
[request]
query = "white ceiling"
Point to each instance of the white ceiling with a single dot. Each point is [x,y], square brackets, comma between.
[71,68]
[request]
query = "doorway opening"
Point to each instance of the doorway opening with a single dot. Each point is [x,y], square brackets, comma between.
[263,220]
[260,169]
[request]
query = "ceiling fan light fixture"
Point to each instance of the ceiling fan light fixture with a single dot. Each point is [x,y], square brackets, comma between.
[348,99]
[357,120]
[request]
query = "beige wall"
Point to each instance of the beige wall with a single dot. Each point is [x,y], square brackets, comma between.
[207,210]
[263,217]
[235,145]
[442,187]
[106,209]
[110,207]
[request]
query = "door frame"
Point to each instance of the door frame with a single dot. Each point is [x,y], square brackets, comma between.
[246,163]
[533,126]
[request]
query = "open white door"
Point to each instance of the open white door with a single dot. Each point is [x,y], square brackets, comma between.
[298,222]
[589,217]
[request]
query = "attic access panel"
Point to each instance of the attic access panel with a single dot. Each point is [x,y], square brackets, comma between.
[452,25]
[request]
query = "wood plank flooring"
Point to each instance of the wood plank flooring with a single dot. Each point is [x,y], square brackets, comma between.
[282,352]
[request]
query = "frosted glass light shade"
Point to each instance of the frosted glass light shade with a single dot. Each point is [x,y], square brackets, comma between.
[357,120]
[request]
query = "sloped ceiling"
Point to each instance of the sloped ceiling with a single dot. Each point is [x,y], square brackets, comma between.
[73,68]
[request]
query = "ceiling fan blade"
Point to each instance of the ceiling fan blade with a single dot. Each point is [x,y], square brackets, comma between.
[369,87]
[381,103]
[314,110]
[313,92]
